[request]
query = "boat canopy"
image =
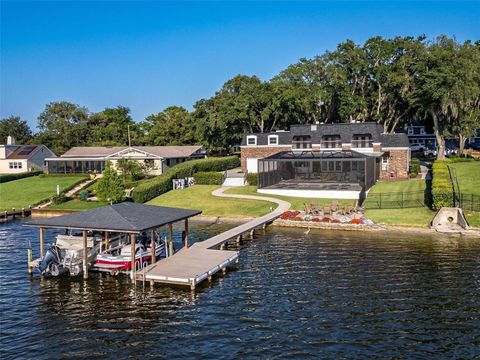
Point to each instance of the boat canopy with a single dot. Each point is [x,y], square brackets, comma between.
[125,217]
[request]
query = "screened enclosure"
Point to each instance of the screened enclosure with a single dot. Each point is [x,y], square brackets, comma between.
[75,167]
[318,170]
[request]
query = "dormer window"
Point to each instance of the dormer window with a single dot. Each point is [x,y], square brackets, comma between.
[251,140]
[362,141]
[331,142]
[272,139]
[302,142]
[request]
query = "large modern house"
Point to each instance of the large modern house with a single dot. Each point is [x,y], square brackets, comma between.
[325,160]
[22,158]
[92,159]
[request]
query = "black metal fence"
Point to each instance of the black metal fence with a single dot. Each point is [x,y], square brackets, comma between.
[395,200]
[468,202]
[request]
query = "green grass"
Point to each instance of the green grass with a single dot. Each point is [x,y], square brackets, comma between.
[28,191]
[78,205]
[199,197]
[297,203]
[468,175]
[421,216]
[398,186]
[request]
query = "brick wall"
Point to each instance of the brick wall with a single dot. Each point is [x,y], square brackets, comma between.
[260,152]
[398,164]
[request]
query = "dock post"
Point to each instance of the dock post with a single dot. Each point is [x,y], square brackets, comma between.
[107,240]
[252,232]
[85,255]
[23,212]
[222,247]
[132,256]
[5,214]
[170,239]
[29,255]
[224,270]
[186,233]
[239,239]
[42,241]
[13,213]
[152,247]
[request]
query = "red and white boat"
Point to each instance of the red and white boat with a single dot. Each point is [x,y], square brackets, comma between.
[119,259]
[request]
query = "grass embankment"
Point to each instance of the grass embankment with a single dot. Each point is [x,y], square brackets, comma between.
[417,216]
[28,191]
[297,203]
[468,175]
[78,205]
[200,197]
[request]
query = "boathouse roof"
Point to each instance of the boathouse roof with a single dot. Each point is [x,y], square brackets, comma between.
[124,217]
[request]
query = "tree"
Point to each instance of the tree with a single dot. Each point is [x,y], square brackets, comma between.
[59,126]
[109,186]
[16,127]
[172,126]
[131,168]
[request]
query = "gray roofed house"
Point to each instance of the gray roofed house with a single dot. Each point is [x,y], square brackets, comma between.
[316,153]
[89,159]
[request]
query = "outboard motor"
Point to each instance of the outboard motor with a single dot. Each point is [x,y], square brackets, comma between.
[51,261]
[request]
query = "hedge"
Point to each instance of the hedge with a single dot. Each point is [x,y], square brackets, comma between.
[442,190]
[10,177]
[252,179]
[151,188]
[208,178]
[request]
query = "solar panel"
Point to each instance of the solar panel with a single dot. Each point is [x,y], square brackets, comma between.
[27,150]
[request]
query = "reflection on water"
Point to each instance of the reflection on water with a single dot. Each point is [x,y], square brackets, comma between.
[294,295]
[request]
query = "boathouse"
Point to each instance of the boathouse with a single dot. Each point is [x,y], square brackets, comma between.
[126,218]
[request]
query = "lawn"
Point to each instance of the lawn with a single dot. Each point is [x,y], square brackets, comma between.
[78,205]
[25,192]
[297,203]
[199,197]
[468,175]
[418,216]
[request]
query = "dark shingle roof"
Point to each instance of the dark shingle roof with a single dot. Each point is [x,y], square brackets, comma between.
[123,217]
[394,140]
[345,130]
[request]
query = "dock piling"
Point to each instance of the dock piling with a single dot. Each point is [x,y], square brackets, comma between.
[85,255]
[42,241]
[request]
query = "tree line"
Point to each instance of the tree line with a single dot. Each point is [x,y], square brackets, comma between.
[389,81]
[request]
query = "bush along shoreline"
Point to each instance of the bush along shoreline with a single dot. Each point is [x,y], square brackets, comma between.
[150,188]
[10,177]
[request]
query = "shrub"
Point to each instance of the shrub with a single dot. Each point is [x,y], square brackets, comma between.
[252,179]
[109,186]
[151,188]
[414,167]
[208,178]
[413,175]
[10,177]
[58,199]
[442,190]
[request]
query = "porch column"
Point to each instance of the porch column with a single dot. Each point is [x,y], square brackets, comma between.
[170,239]
[186,233]
[85,255]
[152,247]
[42,241]
[132,256]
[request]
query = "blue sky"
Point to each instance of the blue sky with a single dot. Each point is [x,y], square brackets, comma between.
[149,55]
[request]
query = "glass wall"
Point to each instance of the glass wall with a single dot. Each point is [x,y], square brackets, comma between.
[362,171]
[76,167]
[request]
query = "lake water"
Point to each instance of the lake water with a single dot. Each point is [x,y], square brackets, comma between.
[328,295]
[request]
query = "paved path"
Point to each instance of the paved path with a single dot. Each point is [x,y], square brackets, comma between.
[257,222]
[71,192]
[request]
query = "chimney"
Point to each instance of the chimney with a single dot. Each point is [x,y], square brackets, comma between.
[10,140]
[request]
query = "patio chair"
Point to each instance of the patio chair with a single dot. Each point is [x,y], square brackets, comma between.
[314,208]
[307,209]
[334,205]
[327,210]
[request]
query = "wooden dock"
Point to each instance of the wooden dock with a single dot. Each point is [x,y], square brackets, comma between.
[190,266]
[4,215]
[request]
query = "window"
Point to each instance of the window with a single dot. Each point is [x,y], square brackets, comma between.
[272,139]
[15,165]
[410,131]
[331,141]
[251,140]
[385,162]
[302,142]
[362,141]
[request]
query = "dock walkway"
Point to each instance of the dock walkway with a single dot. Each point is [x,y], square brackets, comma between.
[193,265]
